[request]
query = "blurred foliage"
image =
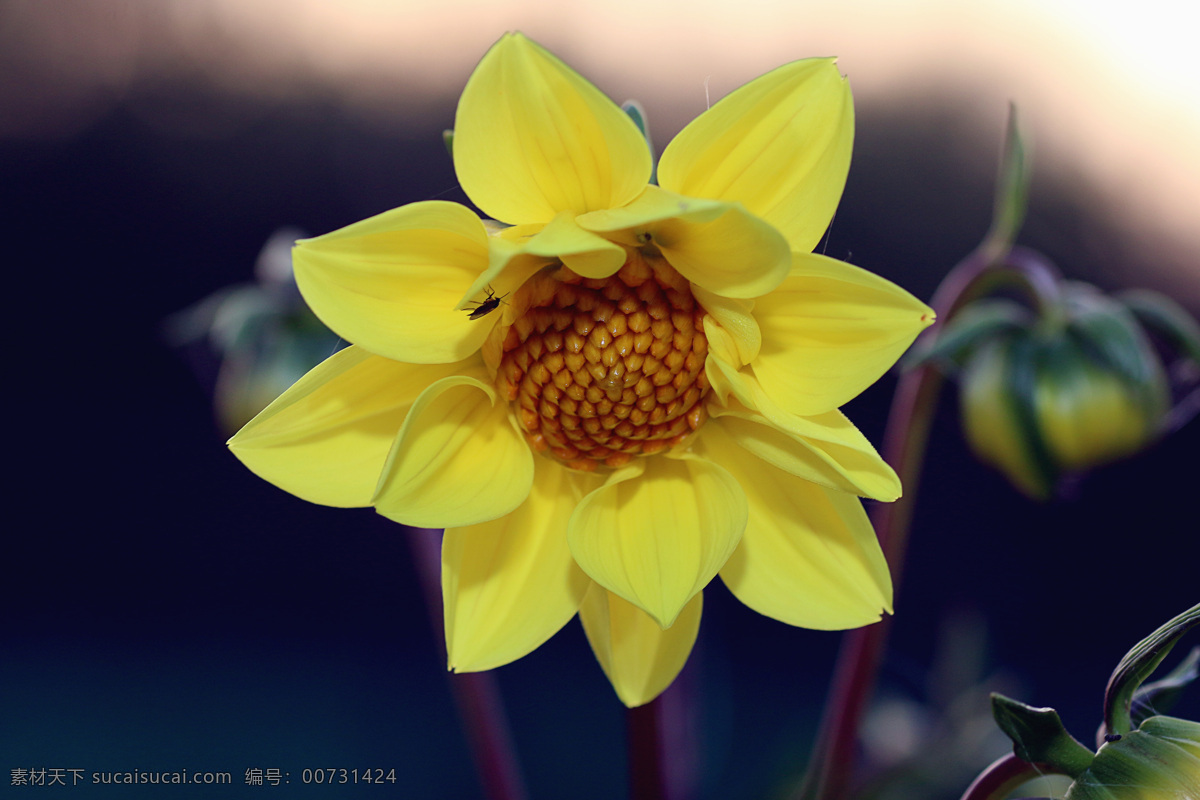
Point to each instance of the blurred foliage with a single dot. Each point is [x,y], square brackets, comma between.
[929,743]
[263,334]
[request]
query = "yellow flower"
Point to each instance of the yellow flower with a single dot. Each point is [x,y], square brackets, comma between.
[653,399]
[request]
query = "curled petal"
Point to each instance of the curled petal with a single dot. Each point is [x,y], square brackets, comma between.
[724,349]
[717,246]
[327,437]
[658,530]
[780,145]
[639,658]
[650,208]
[532,138]
[809,556]
[584,252]
[735,255]
[457,460]
[737,321]
[825,448]
[830,331]
[509,266]
[509,584]
[392,283]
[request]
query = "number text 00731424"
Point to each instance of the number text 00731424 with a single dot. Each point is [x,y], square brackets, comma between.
[335,775]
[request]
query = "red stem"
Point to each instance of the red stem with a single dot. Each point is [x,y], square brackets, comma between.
[904,443]
[662,763]
[475,693]
[647,766]
[857,667]
[1002,776]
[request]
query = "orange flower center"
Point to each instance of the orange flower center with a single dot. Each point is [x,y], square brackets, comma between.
[602,370]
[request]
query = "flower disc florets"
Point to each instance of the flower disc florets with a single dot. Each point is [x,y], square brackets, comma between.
[604,369]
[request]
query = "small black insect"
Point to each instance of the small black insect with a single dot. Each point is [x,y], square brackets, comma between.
[486,306]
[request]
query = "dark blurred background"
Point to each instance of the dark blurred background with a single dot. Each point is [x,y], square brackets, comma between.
[165,609]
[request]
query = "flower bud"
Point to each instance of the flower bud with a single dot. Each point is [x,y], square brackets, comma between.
[1043,398]
[262,334]
[1089,415]
[997,427]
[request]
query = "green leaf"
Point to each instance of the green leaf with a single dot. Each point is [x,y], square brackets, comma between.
[1110,334]
[998,422]
[1039,737]
[1161,695]
[1159,760]
[1162,316]
[638,114]
[448,141]
[1025,353]
[979,322]
[1136,667]
[1012,189]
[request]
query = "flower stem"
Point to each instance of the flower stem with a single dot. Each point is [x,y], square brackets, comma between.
[647,765]
[857,667]
[475,693]
[1002,776]
[904,443]
[661,756]
[1182,412]
[479,705]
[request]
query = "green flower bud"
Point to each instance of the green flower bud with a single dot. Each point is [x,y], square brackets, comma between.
[1087,414]
[263,335]
[275,353]
[996,422]
[1045,397]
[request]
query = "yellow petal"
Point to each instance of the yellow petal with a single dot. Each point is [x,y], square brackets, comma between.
[326,439]
[824,448]
[809,556]
[658,530]
[458,460]
[650,208]
[830,331]
[717,246]
[392,283]
[827,450]
[737,322]
[509,266]
[584,252]
[639,658]
[532,138]
[735,255]
[723,348]
[508,585]
[780,145]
